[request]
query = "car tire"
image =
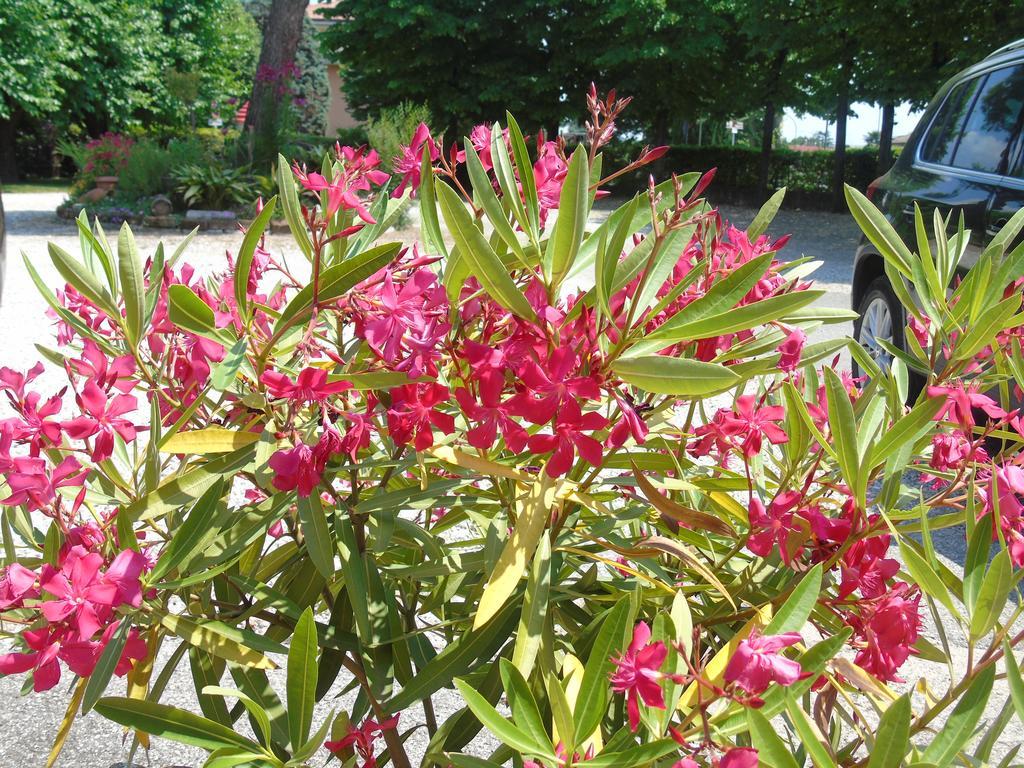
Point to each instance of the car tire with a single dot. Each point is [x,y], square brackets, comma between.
[881,315]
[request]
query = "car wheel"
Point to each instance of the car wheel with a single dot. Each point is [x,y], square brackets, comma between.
[881,319]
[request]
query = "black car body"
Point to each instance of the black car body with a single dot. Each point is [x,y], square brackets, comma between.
[3,244]
[965,155]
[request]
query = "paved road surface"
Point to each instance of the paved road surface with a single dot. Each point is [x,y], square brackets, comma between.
[28,723]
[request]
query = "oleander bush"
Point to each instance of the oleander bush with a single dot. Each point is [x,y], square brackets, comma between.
[588,473]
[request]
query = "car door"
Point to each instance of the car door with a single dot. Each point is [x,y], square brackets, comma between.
[968,148]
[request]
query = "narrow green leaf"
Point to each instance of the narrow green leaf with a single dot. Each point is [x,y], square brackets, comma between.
[171,723]
[592,699]
[879,231]
[507,732]
[292,210]
[772,751]
[225,372]
[925,576]
[189,312]
[1014,680]
[430,225]
[564,243]
[316,534]
[907,429]
[793,614]
[978,547]
[674,375]
[960,726]
[478,255]
[302,677]
[766,215]
[133,283]
[484,193]
[243,266]
[83,281]
[521,701]
[524,170]
[995,588]
[194,533]
[105,666]
[893,735]
[529,636]
[809,738]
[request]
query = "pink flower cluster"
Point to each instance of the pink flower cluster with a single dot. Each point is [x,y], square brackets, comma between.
[77,600]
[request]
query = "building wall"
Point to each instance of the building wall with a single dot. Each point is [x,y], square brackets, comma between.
[338,115]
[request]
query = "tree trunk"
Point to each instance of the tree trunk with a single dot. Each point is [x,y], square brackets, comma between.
[767,134]
[839,167]
[885,137]
[281,35]
[8,153]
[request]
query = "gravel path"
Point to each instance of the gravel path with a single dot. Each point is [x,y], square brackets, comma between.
[28,723]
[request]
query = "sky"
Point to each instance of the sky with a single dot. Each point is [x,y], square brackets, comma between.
[868,118]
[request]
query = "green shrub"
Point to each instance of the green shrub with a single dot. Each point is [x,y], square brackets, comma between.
[393,127]
[213,186]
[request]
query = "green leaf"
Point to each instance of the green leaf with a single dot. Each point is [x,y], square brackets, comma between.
[292,210]
[171,723]
[561,713]
[478,255]
[225,372]
[995,588]
[243,266]
[766,215]
[733,319]
[105,666]
[82,280]
[316,534]
[674,375]
[430,226]
[529,636]
[192,536]
[592,699]
[1013,680]
[335,281]
[525,171]
[879,231]
[521,701]
[893,735]
[190,313]
[182,490]
[907,429]
[133,283]
[843,425]
[506,176]
[793,614]
[809,738]
[564,243]
[484,193]
[772,751]
[505,731]
[978,547]
[302,676]
[925,576]
[960,726]
[641,754]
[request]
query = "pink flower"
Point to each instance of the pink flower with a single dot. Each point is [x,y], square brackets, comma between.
[791,350]
[17,583]
[296,469]
[886,629]
[739,757]
[741,430]
[549,174]
[32,483]
[638,673]
[491,414]
[410,158]
[757,662]
[311,385]
[362,740]
[961,402]
[102,418]
[567,438]
[413,414]
[341,192]
[480,138]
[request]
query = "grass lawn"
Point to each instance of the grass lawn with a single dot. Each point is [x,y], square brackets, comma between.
[41,185]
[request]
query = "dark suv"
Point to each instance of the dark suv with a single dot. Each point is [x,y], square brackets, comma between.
[966,154]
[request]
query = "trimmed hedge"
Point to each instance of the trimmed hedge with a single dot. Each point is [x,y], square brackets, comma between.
[807,175]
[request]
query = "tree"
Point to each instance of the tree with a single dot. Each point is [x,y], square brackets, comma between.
[282,32]
[467,60]
[33,36]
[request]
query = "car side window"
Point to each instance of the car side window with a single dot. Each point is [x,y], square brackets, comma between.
[976,125]
[940,142]
[994,120]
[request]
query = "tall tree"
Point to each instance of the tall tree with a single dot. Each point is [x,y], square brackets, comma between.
[34,35]
[281,35]
[466,60]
